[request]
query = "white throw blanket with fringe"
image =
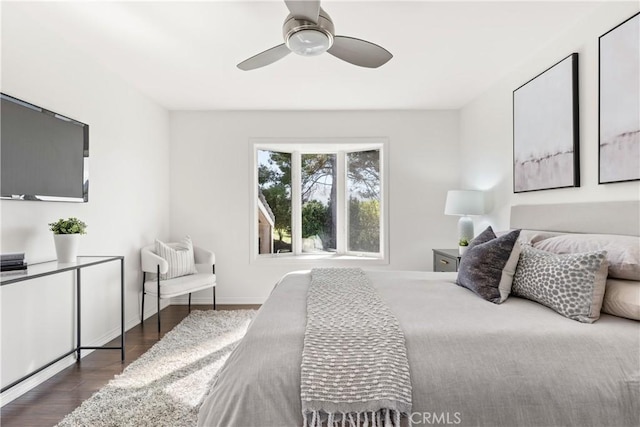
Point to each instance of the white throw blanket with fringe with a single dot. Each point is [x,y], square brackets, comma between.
[355,370]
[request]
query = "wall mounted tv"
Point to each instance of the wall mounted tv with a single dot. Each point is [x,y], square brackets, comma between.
[43,155]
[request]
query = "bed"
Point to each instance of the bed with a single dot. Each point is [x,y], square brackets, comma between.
[472,362]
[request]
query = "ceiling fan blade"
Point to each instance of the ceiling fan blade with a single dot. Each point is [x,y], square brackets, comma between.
[304,9]
[267,57]
[359,52]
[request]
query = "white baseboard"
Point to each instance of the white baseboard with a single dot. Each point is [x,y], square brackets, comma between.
[37,379]
[151,309]
[26,385]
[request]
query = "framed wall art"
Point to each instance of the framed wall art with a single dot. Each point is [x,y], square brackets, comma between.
[545,129]
[619,108]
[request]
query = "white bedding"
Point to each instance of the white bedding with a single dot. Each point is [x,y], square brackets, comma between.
[472,362]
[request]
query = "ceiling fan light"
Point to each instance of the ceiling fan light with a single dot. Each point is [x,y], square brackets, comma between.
[309,42]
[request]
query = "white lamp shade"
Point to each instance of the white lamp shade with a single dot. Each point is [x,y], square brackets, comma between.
[464,202]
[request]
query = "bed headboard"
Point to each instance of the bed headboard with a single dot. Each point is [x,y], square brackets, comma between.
[620,217]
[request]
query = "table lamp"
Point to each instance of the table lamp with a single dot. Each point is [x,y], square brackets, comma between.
[464,203]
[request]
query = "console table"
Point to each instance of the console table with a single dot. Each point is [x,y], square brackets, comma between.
[53,267]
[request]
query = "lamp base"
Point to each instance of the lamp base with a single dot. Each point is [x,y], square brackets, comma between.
[465,228]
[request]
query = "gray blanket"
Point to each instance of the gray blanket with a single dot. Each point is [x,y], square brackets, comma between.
[472,363]
[354,360]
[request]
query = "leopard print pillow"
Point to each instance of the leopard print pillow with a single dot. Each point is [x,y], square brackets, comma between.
[571,284]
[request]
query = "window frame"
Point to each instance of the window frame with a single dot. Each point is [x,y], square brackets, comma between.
[340,146]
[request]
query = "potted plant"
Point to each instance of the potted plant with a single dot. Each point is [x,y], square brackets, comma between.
[66,234]
[463,245]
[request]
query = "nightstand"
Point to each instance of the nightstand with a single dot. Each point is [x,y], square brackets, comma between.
[446,259]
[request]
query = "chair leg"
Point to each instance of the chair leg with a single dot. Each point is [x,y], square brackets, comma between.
[189,302]
[158,298]
[213,270]
[144,275]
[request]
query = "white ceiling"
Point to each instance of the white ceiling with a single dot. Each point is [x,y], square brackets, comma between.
[183,55]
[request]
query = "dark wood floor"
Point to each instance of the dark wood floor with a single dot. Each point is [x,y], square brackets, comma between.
[48,403]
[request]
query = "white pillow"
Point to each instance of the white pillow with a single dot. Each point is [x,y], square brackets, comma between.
[531,237]
[179,256]
[623,252]
[622,298]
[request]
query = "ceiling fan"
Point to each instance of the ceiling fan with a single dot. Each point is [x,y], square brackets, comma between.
[308,31]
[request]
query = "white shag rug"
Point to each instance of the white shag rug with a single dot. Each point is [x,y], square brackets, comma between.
[167,384]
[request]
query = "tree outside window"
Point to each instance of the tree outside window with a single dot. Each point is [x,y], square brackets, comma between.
[274,182]
[337,201]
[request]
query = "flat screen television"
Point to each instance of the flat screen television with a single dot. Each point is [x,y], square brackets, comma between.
[43,155]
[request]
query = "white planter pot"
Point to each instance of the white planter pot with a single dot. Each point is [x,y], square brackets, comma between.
[462,249]
[66,247]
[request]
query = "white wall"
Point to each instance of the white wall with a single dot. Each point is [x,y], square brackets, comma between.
[210,168]
[486,131]
[127,208]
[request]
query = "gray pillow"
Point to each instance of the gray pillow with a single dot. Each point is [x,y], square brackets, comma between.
[571,284]
[485,266]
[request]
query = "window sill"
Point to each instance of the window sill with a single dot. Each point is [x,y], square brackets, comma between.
[318,258]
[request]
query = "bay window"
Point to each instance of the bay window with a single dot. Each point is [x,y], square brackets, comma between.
[319,198]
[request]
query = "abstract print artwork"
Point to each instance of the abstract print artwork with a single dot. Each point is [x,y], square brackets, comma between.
[545,129]
[620,103]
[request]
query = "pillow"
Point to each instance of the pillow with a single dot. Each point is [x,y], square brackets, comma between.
[179,256]
[488,265]
[622,298]
[531,237]
[571,284]
[623,252]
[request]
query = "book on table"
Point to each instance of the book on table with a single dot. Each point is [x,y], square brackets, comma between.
[12,256]
[17,267]
[12,262]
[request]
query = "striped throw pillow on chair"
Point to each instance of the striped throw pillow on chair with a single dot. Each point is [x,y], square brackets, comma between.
[179,256]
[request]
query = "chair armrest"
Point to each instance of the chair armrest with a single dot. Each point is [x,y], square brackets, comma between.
[149,262]
[203,256]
